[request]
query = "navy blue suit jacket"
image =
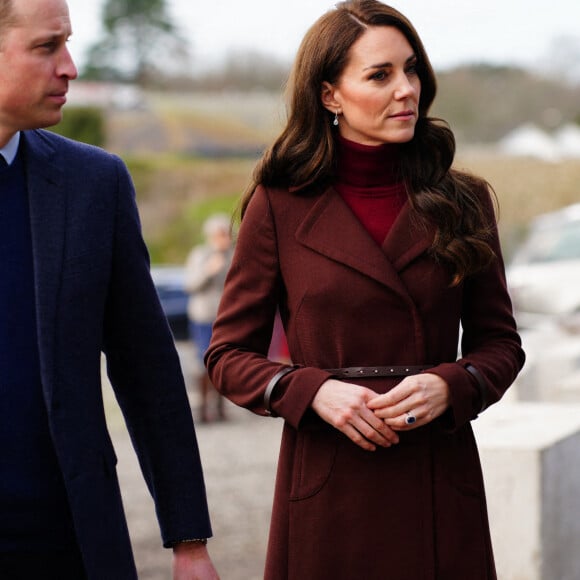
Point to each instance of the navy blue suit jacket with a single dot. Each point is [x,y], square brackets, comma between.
[94,294]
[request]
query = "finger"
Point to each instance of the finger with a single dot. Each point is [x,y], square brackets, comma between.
[382,428]
[378,402]
[407,420]
[395,396]
[356,437]
[416,397]
[375,430]
[398,410]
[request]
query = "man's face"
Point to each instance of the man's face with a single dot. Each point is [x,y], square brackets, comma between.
[35,66]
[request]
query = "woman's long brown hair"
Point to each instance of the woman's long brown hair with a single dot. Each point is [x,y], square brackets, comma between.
[304,153]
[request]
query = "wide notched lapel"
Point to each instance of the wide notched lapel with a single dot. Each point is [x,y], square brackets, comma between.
[331,229]
[47,200]
[407,239]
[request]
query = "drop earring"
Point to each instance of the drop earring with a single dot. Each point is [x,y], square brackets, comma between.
[335,122]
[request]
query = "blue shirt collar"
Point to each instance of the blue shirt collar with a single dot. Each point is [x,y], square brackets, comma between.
[10,150]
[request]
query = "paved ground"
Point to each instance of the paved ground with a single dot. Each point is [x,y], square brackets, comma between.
[239,459]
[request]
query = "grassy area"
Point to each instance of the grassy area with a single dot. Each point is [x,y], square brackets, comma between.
[179,236]
[176,194]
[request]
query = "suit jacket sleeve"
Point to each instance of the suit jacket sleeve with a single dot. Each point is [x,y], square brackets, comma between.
[145,373]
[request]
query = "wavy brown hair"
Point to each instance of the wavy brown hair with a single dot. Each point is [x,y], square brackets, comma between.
[305,152]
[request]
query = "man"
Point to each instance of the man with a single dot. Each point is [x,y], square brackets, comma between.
[74,282]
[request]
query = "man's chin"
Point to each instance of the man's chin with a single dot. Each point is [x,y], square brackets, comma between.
[51,120]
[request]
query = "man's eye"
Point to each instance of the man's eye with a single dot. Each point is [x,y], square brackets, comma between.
[48,45]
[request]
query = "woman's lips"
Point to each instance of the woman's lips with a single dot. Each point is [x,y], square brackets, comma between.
[404,115]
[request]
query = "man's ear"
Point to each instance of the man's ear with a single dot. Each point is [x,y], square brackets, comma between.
[328,98]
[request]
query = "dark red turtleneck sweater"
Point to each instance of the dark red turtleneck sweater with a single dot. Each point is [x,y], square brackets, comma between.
[367,180]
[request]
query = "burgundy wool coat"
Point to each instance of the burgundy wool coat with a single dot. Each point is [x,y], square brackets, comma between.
[417,510]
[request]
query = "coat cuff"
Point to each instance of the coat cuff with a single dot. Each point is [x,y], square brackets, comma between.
[465,391]
[292,395]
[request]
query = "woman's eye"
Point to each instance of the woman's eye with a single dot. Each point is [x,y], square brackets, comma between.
[412,69]
[379,76]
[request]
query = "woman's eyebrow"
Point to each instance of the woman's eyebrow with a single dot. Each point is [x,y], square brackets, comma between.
[390,64]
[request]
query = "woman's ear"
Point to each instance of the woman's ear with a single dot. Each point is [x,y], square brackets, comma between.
[327,96]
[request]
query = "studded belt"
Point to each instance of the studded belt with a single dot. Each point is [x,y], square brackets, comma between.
[382,371]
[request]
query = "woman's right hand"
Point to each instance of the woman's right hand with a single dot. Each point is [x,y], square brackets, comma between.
[344,406]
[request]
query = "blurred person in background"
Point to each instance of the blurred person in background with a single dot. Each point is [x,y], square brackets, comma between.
[205,274]
[376,251]
[75,282]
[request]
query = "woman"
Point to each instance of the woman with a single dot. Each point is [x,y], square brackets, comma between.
[205,273]
[375,252]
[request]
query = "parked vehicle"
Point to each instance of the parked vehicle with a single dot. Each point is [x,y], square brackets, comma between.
[544,281]
[169,281]
[544,275]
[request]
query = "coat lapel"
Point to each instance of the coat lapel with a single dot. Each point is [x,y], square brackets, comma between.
[407,239]
[47,200]
[330,228]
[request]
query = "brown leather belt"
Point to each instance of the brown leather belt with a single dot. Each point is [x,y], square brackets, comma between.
[388,371]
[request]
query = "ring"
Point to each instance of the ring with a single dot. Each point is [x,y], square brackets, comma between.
[410,418]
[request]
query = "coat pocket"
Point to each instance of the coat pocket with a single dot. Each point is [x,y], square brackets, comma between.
[314,459]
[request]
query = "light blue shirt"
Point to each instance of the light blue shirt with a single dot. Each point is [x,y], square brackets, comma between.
[10,150]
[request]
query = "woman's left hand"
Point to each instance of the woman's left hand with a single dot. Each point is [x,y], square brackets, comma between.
[422,397]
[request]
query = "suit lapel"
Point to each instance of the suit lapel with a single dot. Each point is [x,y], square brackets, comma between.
[47,201]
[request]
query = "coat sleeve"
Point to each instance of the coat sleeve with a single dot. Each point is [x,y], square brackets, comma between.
[145,374]
[237,360]
[491,353]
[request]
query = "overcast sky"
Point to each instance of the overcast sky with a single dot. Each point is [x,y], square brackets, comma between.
[496,31]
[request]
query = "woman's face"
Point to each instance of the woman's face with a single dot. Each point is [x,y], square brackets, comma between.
[377,95]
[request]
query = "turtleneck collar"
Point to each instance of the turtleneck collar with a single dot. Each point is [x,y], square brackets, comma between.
[367,165]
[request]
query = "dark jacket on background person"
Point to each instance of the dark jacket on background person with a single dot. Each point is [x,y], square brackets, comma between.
[347,302]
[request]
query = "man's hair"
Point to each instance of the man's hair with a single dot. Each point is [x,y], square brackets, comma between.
[6,16]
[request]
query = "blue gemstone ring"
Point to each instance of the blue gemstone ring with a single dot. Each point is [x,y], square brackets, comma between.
[410,418]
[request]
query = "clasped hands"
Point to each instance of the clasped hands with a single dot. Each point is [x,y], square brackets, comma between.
[372,420]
